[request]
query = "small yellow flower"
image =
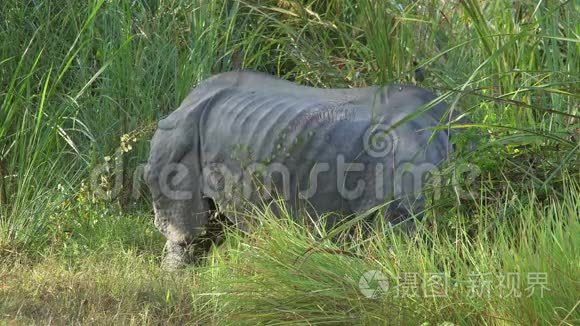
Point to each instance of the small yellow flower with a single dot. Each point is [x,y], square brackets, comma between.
[126,147]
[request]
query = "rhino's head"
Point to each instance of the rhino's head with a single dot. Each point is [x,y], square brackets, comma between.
[406,99]
[172,177]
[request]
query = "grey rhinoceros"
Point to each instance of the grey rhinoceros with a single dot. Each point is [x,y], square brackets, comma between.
[246,137]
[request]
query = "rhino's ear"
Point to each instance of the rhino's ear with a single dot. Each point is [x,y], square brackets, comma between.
[145,171]
[167,123]
[150,180]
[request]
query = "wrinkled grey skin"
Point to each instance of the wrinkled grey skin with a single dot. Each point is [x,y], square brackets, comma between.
[235,119]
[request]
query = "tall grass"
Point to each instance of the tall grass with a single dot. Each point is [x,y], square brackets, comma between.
[523,272]
[76,77]
[36,118]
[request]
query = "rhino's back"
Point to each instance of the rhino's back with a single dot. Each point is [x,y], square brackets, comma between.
[260,126]
[258,117]
[250,81]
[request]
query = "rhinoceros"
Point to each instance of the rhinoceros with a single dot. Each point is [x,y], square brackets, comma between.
[247,137]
